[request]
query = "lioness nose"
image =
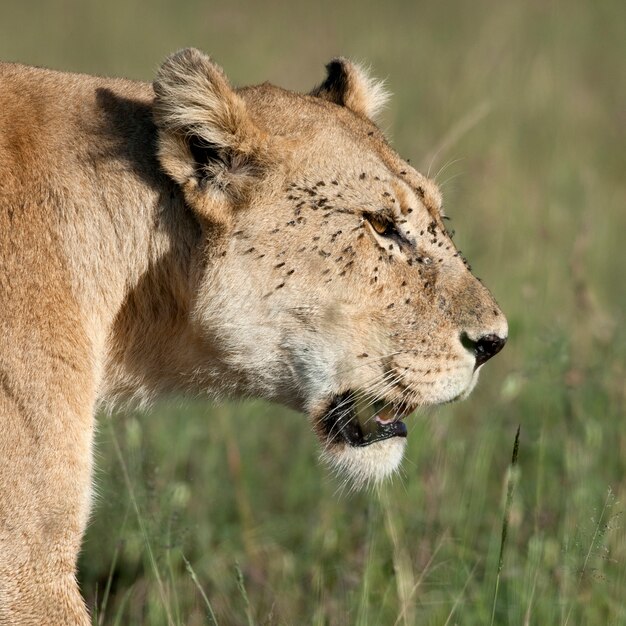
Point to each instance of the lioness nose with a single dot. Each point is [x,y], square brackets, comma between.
[483,348]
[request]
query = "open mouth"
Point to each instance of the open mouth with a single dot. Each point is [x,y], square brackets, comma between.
[361,422]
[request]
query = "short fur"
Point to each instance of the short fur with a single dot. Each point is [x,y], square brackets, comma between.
[189,236]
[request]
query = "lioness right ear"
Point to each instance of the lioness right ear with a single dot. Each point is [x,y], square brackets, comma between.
[349,85]
[207,141]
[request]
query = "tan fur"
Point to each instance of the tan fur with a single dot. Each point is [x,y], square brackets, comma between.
[189,236]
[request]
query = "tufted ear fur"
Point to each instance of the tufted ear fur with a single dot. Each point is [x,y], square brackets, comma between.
[348,84]
[207,141]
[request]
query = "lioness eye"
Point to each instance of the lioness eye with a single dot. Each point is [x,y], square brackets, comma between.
[382,226]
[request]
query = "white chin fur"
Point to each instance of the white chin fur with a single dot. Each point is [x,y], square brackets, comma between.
[471,385]
[368,465]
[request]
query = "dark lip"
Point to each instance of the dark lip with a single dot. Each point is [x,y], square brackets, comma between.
[340,423]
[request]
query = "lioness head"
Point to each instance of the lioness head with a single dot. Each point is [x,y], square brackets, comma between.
[328,281]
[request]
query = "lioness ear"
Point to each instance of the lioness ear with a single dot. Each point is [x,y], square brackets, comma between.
[207,141]
[348,84]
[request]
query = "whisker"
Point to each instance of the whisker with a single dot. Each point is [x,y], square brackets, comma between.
[449,179]
[446,165]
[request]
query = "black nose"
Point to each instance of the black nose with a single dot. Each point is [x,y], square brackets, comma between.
[484,348]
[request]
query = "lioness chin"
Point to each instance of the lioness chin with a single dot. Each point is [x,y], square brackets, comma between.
[185,235]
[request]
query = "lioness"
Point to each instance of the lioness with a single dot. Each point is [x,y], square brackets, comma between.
[186,235]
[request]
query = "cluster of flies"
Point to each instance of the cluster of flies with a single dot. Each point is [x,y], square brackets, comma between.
[316,198]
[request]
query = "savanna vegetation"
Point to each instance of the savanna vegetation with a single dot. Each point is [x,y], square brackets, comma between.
[222,514]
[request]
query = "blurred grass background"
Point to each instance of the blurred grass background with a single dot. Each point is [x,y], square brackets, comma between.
[222,514]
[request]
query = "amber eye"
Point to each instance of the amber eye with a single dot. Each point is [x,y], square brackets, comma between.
[382,226]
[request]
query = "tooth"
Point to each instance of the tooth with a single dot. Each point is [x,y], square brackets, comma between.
[387,415]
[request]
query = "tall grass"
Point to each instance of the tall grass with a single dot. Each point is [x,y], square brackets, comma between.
[222,514]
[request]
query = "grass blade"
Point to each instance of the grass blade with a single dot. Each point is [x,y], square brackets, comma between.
[510,488]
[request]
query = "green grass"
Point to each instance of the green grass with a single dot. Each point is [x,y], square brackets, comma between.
[222,514]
